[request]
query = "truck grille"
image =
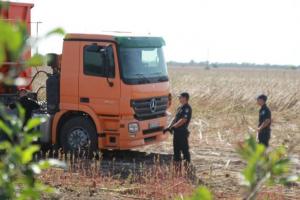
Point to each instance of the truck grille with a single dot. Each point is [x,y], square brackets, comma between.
[150,108]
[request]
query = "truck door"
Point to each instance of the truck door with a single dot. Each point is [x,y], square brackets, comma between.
[99,79]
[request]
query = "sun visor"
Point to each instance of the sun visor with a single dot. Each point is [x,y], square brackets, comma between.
[139,42]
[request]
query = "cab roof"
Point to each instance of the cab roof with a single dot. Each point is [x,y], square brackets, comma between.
[122,40]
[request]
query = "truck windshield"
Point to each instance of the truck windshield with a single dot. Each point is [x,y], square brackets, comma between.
[142,65]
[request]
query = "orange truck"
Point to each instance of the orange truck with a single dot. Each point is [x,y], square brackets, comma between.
[105,92]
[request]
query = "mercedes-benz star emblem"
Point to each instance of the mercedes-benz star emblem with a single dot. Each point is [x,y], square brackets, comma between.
[153,105]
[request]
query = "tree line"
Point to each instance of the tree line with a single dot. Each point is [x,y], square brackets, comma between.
[207,65]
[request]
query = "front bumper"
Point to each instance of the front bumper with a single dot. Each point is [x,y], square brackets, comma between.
[150,131]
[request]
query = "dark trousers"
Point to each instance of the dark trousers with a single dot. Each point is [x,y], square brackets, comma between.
[181,145]
[264,137]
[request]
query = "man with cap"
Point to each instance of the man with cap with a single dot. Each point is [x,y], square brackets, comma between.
[179,127]
[264,125]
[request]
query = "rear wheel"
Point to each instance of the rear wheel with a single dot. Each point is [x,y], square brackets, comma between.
[79,134]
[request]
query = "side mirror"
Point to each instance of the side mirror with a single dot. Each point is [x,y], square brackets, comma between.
[109,62]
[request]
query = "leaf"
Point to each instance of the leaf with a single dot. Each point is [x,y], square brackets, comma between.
[56,31]
[6,129]
[282,166]
[27,154]
[30,138]
[252,143]
[21,112]
[202,193]
[15,39]
[5,145]
[36,60]
[253,154]
[45,164]
[260,149]
[12,39]
[249,173]
[1,52]
[33,122]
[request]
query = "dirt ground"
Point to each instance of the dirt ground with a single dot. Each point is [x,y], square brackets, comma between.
[224,113]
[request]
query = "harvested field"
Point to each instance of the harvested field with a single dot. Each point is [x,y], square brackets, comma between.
[224,113]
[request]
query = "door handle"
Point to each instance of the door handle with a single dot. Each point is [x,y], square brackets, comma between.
[84,99]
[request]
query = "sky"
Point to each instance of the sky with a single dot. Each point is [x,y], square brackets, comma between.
[256,31]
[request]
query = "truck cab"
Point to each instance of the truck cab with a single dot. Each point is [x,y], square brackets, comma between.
[108,92]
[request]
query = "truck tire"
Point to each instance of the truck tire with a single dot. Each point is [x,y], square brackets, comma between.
[79,134]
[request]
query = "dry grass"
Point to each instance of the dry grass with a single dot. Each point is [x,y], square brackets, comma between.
[112,177]
[224,101]
[224,112]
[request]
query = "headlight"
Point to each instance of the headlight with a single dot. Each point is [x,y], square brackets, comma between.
[133,128]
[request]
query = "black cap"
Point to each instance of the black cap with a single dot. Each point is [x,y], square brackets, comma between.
[185,95]
[263,97]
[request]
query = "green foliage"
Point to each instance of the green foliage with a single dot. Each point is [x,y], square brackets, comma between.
[201,193]
[35,61]
[17,168]
[18,144]
[264,166]
[56,31]
[12,39]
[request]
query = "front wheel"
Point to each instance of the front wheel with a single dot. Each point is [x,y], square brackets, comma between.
[79,134]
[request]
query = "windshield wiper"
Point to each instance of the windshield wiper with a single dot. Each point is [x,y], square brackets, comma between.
[162,79]
[143,77]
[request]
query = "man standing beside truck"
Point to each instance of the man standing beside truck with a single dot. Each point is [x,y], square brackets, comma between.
[179,127]
[264,130]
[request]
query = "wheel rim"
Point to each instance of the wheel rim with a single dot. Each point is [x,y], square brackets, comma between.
[78,138]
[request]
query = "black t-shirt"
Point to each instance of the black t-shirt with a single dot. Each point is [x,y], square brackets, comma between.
[264,113]
[184,111]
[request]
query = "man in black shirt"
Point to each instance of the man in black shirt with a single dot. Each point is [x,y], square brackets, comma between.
[264,125]
[179,127]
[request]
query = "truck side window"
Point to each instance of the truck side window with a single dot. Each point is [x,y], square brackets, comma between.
[98,63]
